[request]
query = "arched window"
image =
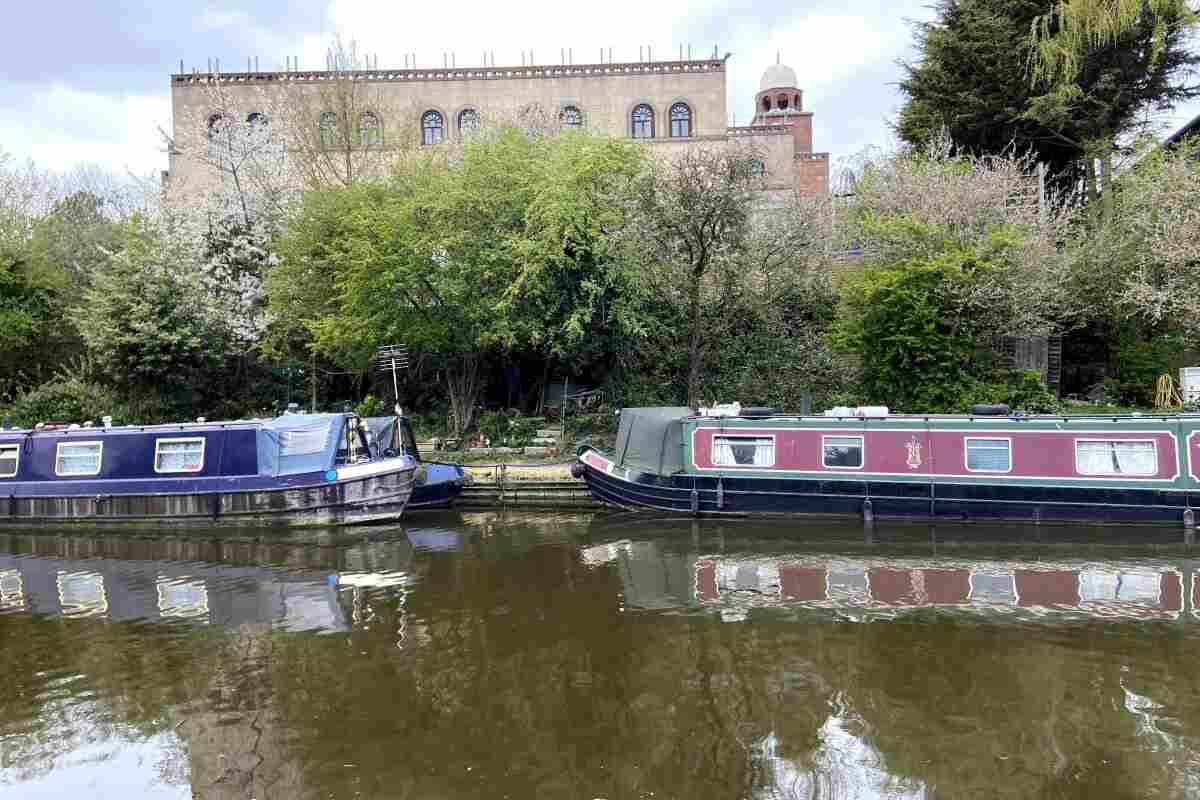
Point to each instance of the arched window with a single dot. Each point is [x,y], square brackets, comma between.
[782,101]
[468,120]
[328,129]
[796,101]
[218,130]
[370,129]
[681,120]
[757,169]
[256,120]
[643,122]
[766,104]
[216,125]
[431,127]
[571,117]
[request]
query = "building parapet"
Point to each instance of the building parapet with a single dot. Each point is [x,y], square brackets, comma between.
[759,130]
[455,74]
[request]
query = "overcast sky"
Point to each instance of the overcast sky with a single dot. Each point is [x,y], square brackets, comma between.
[87,81]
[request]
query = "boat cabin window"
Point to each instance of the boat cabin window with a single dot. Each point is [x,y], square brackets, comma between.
[744,451]
[179,455]
[842,452]
[78,458]
[989,455]
[1116,457]
[10,457]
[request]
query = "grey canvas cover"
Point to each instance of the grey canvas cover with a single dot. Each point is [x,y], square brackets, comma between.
[297,443]
[651,439]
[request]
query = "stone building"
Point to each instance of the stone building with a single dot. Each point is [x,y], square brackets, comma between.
[666,104]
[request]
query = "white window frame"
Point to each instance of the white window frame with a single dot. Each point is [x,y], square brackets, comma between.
[58,455]
[1151,474]
[17,466]
[180,440]
[755,436]
[862,448]
[967,447]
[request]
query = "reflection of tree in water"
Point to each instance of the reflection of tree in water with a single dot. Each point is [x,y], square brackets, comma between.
[525,671]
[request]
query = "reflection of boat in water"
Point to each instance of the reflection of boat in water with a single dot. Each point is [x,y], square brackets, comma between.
[657,576]
[1116,589]
[294,587]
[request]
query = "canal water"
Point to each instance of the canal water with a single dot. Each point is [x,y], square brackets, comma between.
[483,655]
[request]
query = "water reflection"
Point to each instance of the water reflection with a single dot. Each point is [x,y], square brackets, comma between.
[555,656]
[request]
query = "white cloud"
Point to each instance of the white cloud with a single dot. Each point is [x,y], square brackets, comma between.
[58,127]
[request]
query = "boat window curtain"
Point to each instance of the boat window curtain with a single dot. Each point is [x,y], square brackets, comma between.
[1116,458]
[989,455]
[180,456]
[1135,458]
[744,451]
[78,459]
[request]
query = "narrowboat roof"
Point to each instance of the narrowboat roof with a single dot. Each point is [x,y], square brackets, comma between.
[286,420]
[947,417]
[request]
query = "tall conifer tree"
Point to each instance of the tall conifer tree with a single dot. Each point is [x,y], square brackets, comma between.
[978,77]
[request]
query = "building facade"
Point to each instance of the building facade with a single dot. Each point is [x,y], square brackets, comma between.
[665,104]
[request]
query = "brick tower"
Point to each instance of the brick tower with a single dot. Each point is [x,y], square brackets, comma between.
[780,102]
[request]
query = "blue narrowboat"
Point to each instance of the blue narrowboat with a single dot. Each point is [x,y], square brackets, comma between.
[312,469]
[435,484]
[870,464]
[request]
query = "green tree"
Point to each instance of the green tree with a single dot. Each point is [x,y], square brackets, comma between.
[973,78]
[148,322]
[465,254]
[31,304]
[958,251]
[915,328]
[691,217]
[73,240]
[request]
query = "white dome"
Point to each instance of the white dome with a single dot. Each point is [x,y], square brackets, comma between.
[778,76]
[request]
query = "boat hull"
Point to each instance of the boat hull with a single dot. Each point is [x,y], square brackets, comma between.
[438,488]
[876,499]
[377,494]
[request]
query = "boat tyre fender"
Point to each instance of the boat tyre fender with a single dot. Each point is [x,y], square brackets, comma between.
[990,410]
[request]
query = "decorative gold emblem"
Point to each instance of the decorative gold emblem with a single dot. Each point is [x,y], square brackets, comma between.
[913,446]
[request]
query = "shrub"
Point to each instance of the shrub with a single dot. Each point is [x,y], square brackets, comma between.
[522,432]
[1020,390]
[66,399]
[371,406]
[494,425]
